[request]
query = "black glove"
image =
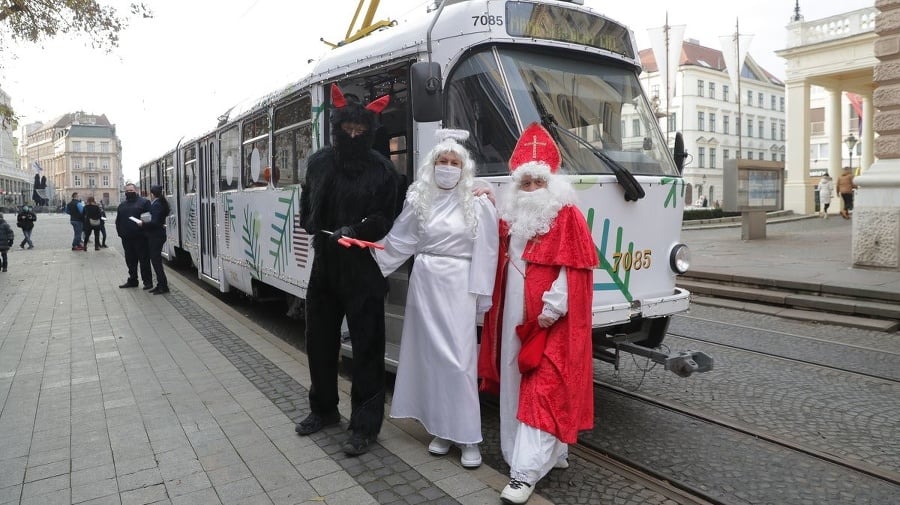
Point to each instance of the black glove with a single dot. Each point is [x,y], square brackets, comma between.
[343,231]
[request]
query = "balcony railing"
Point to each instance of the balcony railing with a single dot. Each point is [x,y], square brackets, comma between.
[832,28]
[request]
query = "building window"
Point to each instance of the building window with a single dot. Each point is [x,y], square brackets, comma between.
[701,124]
[104,147]
[76,164]
[699,87]
[773,102]
[712,90]
[712,122]
[104,165]
[781,104]
[91,165]
[760,100]
[76,147]
[712,157]
[761,128]
[636,127]
[673,121]
[782,158]
[749,155]
[105,180]
[749,98]
[654,90]
[724,92]
[774,156]
[817,121]
[726,125]
[701,157]
[773,131]
[750,129]
[782,131]
[76,181]
[90,147]
[92,181]
[726,154]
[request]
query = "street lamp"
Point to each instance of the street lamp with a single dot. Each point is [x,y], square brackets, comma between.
[851,143]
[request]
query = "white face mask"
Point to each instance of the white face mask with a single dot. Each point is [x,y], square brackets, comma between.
[446,176]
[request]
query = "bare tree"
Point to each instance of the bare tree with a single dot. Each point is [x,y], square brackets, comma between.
[37,20]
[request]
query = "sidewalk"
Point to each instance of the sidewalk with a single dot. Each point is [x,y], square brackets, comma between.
[804,250]
[117,396]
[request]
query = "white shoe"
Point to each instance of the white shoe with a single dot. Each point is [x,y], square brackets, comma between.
[471,455]
[562,463]
[439,446]
[516,492]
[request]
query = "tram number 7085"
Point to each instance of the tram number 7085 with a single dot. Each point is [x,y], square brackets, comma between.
[486,20]
[631,260]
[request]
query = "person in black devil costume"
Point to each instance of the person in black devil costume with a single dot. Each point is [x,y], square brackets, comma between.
[350,191]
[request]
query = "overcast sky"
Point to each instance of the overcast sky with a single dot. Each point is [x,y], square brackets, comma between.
[175,73]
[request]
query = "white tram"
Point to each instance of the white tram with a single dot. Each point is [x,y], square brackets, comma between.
[490,67]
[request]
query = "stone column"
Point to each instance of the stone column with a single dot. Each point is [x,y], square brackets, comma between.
[867,136]
[876,216]
[798,187]
[836,148]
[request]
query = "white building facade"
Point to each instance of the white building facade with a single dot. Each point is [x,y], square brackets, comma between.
[15,184]
[716,123]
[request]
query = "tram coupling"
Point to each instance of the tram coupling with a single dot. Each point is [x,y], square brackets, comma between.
[681,363]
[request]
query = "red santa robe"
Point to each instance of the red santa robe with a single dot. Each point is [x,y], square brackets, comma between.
[557,397]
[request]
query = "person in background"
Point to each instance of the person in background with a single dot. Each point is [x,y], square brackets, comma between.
[350,191]
[536,349]
[76,218]
[454,238]
[134,241]
[102,224]
[25,220]
[826,188]
[156,237]
[845,187]
[7,237]
[92,222]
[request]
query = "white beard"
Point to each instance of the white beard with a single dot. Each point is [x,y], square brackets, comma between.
[532,213]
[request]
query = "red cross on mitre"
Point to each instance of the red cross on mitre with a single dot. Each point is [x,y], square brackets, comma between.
[535,145]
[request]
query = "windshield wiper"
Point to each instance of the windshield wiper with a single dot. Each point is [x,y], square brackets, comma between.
[633,189]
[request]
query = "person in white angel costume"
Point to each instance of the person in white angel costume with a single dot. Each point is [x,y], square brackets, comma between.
[450,225]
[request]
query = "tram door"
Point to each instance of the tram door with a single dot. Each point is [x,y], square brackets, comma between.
[207,211]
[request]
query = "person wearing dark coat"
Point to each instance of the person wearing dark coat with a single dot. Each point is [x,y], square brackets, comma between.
[350,191]
[25,220]
[155,229]
[92,222]
[134,241]
[7,237]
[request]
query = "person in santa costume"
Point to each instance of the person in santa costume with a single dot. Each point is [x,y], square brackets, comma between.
[453,235]
[536,341]
[350,192]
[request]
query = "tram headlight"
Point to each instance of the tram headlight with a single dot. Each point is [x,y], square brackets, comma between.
[680,259]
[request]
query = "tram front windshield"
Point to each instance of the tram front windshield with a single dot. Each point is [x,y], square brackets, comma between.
[602,105]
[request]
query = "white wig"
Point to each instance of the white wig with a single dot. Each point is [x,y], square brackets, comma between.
[422,192]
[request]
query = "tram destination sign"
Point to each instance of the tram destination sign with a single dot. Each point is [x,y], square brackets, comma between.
[753,185]
[553,22]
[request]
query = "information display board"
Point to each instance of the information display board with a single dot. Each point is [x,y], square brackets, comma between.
[753,185]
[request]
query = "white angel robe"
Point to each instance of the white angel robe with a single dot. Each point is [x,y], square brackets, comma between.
[452,279]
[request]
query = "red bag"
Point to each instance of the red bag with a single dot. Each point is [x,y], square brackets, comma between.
[533,339]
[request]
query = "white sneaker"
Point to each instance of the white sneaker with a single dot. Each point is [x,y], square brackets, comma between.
[516,492]
[439,446]
[471,455]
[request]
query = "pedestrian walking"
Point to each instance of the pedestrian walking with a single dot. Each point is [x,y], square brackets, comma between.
[826,189]
[25,220]
[845,187]
[7,237]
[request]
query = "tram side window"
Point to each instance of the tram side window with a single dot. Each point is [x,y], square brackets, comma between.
[293,142]
[169,181]
[189,176]
[256,171]
[229,159]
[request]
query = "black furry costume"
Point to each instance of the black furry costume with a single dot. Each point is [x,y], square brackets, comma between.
[349,188]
